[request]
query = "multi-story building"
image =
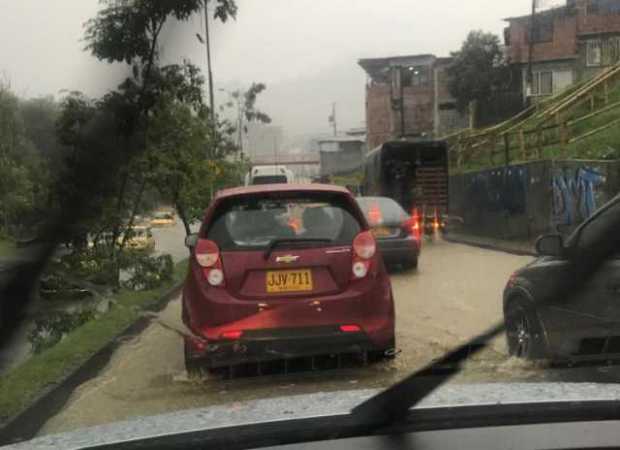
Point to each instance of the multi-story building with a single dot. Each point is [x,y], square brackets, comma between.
[407,96]
[567,44]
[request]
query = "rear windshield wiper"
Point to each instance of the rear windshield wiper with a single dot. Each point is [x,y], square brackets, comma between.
[274,243]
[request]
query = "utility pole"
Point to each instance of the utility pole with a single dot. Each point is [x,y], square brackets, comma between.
[333,120]
[530,72]
[240,122]
[210,73]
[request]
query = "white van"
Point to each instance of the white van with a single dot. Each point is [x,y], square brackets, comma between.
[269,175]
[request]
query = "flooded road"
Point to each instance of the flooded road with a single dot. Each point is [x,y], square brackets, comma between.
[455,294]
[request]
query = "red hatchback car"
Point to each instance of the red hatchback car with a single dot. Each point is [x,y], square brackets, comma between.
[283,271]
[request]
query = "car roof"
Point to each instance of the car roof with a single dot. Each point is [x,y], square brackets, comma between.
[281,187]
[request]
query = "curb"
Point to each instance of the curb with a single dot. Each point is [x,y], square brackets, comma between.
[490,245]
[26,424]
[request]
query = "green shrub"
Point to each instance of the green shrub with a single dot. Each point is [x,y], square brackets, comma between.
[48,331]
[148,272]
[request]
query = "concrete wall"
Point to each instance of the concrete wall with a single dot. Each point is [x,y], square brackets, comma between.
[562,45]
[348,159]
[526,200]
[379,115]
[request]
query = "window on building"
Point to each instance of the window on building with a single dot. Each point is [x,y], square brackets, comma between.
[542,83]
[415,76]
[594,53]
[543,30]
[447,106]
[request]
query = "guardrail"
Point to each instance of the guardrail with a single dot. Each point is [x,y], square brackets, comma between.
[553,121]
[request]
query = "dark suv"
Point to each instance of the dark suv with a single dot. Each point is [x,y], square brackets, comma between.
[565,305]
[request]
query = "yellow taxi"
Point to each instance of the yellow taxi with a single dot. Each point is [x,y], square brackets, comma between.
[141,238]
[163,219]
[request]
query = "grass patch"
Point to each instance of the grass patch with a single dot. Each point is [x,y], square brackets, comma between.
[20,386]
[604,145]
[7,248]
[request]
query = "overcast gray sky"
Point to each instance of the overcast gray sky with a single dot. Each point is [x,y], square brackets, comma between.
[306,51]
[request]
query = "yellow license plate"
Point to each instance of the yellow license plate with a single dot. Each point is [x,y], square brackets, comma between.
[289,281]
[381,232]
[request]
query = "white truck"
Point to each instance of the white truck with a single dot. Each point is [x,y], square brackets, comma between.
[269,175]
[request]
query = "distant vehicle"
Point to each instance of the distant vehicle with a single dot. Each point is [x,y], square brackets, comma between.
[414,174]
[397,234]
[140,238]
[163,219]
[257,282]
[269,175]
[548,311]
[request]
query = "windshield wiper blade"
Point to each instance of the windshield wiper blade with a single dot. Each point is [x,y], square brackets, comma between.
[274,243]
[393,404]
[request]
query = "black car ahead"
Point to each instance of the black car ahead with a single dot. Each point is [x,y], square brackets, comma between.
[397,234]
[565,305]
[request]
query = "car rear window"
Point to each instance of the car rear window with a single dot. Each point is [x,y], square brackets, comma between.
[269,179]
[381,210]
[253,222]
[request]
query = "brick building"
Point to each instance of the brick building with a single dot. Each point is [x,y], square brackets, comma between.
[407,96]
[570,43]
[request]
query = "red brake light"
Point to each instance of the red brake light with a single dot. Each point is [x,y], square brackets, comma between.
[232,335]
[207,253]
[374,214]
[412,227]
[364,245]
[350,328]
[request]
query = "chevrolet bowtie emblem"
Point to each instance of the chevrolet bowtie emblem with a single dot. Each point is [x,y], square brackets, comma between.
[287,259]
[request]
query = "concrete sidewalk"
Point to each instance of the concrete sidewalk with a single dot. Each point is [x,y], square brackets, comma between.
[516,247]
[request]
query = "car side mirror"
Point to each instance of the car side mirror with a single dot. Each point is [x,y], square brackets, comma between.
[550,245]
[191,239]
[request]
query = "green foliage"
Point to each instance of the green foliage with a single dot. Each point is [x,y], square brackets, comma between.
[93,265]
[147,272]
[477,70]
[21,385]
[50,330]
[27,146]
[127,30]
[249,104]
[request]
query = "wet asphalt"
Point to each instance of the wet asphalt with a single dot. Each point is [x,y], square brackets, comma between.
[454,295]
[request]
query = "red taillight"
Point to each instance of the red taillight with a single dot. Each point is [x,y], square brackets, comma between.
[364,245]
[207,255]
[232,335]
[364,248]
[412,227]
[350,328]
[374,214]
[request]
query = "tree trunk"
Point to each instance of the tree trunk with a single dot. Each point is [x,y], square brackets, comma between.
[134,211]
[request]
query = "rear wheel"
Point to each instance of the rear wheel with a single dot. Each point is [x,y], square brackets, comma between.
[524,333]
[388,352]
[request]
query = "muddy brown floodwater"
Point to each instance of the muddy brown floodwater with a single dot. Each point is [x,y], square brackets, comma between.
[455,294]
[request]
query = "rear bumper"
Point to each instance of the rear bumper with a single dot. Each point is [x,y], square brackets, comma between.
[270,345]
[288,327]
[399,250]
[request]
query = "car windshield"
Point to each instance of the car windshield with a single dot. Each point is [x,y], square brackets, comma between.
[268,179]
[211,203]
[382,210]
